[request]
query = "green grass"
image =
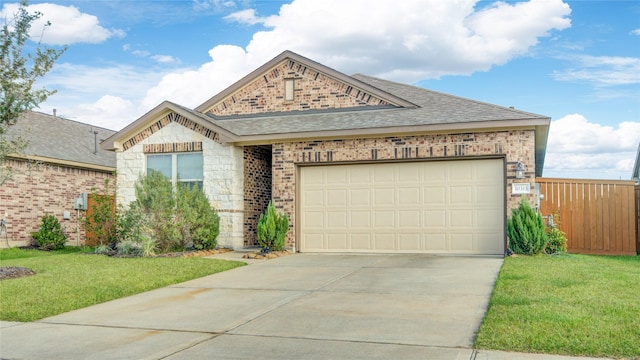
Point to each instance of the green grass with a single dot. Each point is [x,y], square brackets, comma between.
[68,280]
[569,304]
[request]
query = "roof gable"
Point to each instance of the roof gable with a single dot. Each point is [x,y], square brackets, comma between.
[315,87]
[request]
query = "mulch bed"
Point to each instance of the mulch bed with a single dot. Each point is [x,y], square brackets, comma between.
[12,272]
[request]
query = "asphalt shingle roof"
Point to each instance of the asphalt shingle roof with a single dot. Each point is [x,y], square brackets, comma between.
[58,138]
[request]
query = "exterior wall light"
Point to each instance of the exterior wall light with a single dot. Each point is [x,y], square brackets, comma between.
[520,170]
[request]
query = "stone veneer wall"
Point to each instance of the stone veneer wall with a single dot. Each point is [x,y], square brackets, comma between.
[257,189]
[312,90]
[515,145]
[38,189]
[222,167]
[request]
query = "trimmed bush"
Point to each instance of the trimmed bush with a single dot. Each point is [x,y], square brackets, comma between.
[556,238]
[272,229]
[526,230]
[50,235]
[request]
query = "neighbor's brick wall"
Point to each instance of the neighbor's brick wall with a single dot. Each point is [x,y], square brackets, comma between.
[38,189]
[313,90]
[515,145]
[257,189]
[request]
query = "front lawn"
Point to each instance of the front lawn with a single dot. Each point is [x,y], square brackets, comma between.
[68,280]
[569,304]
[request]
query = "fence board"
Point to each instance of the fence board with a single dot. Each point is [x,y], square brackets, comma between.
[598,216]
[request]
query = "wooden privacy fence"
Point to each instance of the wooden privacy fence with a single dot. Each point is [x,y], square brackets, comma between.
[598,216]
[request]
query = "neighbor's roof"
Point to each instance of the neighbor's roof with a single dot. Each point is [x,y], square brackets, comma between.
[412,110]
[66,142]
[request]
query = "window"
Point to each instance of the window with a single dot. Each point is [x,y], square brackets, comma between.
[181,168]
[288,89]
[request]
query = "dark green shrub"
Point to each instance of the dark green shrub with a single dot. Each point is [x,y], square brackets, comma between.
[199,222]
[556,238]
[156,203]
[50,235]
[169,220]
[272,229]
[525,230]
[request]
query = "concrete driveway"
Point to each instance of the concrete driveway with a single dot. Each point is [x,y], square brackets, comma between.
[309,306]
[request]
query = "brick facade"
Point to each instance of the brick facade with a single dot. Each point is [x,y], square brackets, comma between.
[257,188]
[38,189]
[312,91]
[513,145]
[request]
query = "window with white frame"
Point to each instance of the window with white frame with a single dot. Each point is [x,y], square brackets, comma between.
[181,168]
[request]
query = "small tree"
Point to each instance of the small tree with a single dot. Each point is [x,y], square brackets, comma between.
[272,229]
[19,70]
[556,238]
[525,230]
[50,235]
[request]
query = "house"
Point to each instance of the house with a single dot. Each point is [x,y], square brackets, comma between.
[360,164]
[636,168]
[63,159]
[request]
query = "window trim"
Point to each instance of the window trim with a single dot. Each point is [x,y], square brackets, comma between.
[174,167]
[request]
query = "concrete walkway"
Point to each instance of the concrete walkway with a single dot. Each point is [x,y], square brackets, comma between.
[304,306]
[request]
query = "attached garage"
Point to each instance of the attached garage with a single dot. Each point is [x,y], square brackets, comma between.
[453,207]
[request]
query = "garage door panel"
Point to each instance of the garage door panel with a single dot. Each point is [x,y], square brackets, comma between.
[361,241]
[435,242]
[337,220]
[461,194]
[336,197]
[382,175]
[314,219]
[435,219]
[409,218]
[361,219]
[337,241]
[435,196]
[410,241]
[384,241]
[461,241]
[313,241]
[384,196]
[360,197]
[409,196]
[384,219]
[436,207]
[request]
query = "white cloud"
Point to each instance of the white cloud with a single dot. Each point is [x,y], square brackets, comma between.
[165,59]
[587,149]
[246,17]
[602,70]
[434,38]
[216,5]
[635,32]
[68,25]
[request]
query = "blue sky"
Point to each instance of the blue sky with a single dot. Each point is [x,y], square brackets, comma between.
[577,62]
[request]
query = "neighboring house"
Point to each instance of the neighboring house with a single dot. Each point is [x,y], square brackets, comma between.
[63,160]
[636,168]
[359,164]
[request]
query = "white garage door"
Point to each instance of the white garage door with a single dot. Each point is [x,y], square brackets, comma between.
[432,206]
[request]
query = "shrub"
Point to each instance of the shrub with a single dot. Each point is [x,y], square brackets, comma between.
[50,235]
[199,222]
[272,229]
[525,230]
[169,220]
[556,238]
[156,202]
